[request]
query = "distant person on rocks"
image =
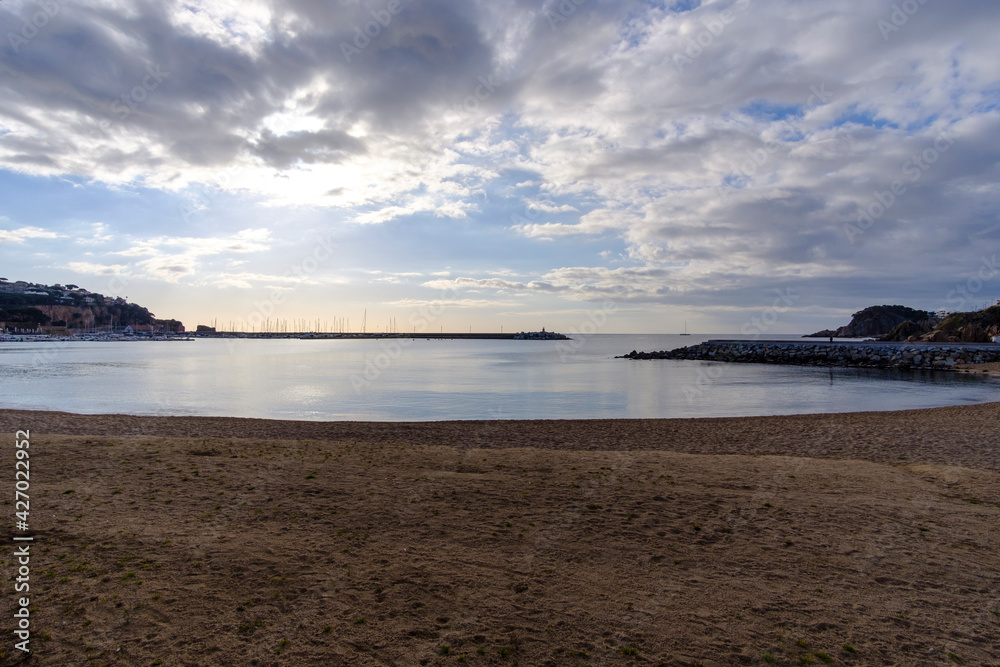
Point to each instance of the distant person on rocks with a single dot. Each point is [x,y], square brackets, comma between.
[831,339]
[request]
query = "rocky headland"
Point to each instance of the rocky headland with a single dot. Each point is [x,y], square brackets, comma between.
[875,321]
[900,323]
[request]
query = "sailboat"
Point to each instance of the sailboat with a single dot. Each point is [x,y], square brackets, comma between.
[685,329]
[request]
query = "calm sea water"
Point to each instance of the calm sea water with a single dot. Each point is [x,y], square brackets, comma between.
[415,380]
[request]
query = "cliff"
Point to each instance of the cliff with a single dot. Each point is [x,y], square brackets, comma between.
[56,307]
[876,321]
[77,317]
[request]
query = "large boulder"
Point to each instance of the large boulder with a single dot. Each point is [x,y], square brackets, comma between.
[938,336]
[974,333]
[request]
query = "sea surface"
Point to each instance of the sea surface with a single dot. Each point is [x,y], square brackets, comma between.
[417,380]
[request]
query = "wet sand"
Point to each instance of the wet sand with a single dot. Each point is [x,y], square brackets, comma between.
[992,369]
[862,539]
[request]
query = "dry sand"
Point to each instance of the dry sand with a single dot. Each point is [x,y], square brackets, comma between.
[856,539]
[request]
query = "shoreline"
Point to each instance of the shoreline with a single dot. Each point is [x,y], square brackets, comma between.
[824,435]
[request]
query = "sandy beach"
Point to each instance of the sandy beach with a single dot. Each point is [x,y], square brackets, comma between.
[856,539]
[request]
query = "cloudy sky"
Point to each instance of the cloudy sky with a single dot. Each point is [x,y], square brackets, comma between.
[511,163]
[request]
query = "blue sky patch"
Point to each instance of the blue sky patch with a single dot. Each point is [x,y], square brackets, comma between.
[772,111]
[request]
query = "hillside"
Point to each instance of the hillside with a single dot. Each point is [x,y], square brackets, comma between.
[972,327]
[30,306]
[876,321]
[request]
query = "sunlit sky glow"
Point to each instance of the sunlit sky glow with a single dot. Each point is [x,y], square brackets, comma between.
[685,160]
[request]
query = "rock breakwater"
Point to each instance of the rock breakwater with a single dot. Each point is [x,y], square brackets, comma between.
[864,355]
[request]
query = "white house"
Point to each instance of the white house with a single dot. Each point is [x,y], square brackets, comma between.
[147,329]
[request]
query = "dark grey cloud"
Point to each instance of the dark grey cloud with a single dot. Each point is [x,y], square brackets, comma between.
[328,146]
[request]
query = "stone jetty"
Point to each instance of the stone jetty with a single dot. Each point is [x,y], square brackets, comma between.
[943,356]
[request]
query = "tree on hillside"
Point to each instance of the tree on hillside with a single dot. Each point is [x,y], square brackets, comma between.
[24,316]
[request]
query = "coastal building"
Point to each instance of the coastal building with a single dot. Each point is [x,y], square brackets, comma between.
[144,329]
[13,288]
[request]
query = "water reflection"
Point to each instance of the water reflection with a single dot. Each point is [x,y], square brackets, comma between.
[449,380]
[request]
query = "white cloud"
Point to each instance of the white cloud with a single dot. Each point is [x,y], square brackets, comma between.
[171,259]
[245,241]
[22,234]
[92,268]
[248,280]
[447,303]
[594,222]
[100,236]
[546,206]
[649,252]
